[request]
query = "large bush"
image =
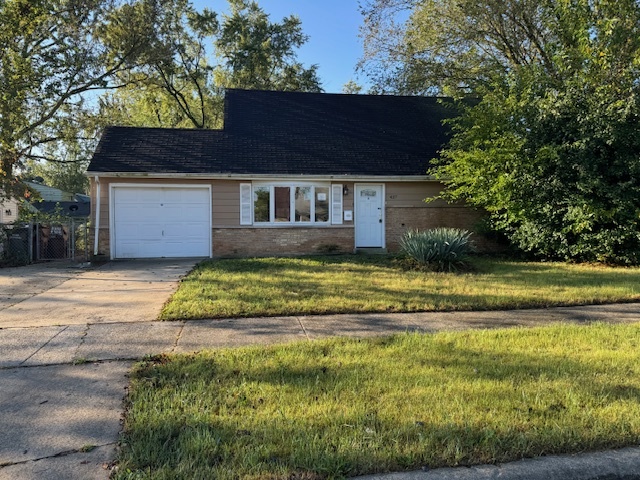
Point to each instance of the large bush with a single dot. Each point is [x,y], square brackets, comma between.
[439,249]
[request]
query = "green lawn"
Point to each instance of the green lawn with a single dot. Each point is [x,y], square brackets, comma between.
[357,283]
[341,407]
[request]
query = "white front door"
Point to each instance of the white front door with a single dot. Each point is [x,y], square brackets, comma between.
[369,221]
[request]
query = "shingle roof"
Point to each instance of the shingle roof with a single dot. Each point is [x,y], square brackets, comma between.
[64,209]
[289,133]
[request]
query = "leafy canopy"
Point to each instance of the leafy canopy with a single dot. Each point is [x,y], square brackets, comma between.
[69,67]
[204,55]
[54,53]
[551,145]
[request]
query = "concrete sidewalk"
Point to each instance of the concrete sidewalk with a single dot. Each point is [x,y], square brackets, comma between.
[67,426]
[63,344]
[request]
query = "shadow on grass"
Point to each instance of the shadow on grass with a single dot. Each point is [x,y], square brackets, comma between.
[214,412]
[351,284]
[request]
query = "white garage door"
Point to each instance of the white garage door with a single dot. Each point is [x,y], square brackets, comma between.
[154,222]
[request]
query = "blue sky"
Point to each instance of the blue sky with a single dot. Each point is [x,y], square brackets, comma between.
[332,26]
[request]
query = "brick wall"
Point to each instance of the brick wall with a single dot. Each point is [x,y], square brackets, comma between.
[231,242]
[399,220]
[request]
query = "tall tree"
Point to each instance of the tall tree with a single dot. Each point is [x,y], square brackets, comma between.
[451,46]
[54,52]
[204,55]
[551,146]
[259,54]
[173,87]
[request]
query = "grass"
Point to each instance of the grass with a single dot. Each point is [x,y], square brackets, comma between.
[341,407]
[354,284]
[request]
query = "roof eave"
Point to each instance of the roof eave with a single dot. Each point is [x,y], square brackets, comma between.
[250,176]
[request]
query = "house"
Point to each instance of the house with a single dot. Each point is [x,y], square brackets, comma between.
[290,173]
[58,203]
[50,194]
[8,210]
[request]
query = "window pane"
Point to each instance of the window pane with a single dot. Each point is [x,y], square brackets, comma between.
[283,204]
[303,204]
[261,204]
[322,204]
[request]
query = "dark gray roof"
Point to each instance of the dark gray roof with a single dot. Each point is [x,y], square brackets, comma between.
[64,209]
[289,133]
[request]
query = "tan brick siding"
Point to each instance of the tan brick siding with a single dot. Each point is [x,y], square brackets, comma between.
[252,241]
[399,220]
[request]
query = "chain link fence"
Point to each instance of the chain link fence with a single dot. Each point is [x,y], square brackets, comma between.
[24,243]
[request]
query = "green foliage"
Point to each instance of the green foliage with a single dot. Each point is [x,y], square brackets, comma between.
[448,46]
[260,54]
[555,159]
[52,53]
[336,408]
[551,146]
[149,62]
[182,84]
[439,249]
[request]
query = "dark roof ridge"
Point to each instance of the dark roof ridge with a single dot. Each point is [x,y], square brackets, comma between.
[340,94]
[173,129]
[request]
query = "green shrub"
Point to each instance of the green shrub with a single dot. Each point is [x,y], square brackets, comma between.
[439,249]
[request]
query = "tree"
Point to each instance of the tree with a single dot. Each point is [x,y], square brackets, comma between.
[352,87]
[55,52]
[183,88]
[451,46]
[258,54]
[173,87]
[551,145]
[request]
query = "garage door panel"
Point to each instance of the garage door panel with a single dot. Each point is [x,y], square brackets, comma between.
[178,215]
[153,222]
[187,231]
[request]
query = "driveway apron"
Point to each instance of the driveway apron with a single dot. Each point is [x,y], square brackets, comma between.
[125,291]
[59,409]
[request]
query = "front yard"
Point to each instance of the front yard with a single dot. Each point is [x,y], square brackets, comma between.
[341,407]
[350,284]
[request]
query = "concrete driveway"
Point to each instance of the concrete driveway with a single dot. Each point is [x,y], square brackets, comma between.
[61,294]
[59,414]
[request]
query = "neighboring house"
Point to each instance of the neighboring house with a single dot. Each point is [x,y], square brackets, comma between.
[50,194]
[8,210]
[290,173]
[68,210]
[59,203]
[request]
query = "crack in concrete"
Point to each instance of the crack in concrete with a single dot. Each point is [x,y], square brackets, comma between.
[75,363]
[64,453]
[178,337]
[44,345]
[85,332]
[304,330]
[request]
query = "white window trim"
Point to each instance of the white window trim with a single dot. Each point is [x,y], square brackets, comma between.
[292,185]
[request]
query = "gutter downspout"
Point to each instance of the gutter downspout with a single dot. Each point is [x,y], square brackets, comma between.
[97,231]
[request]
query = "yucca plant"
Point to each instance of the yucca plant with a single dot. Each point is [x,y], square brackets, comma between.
[438,249]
